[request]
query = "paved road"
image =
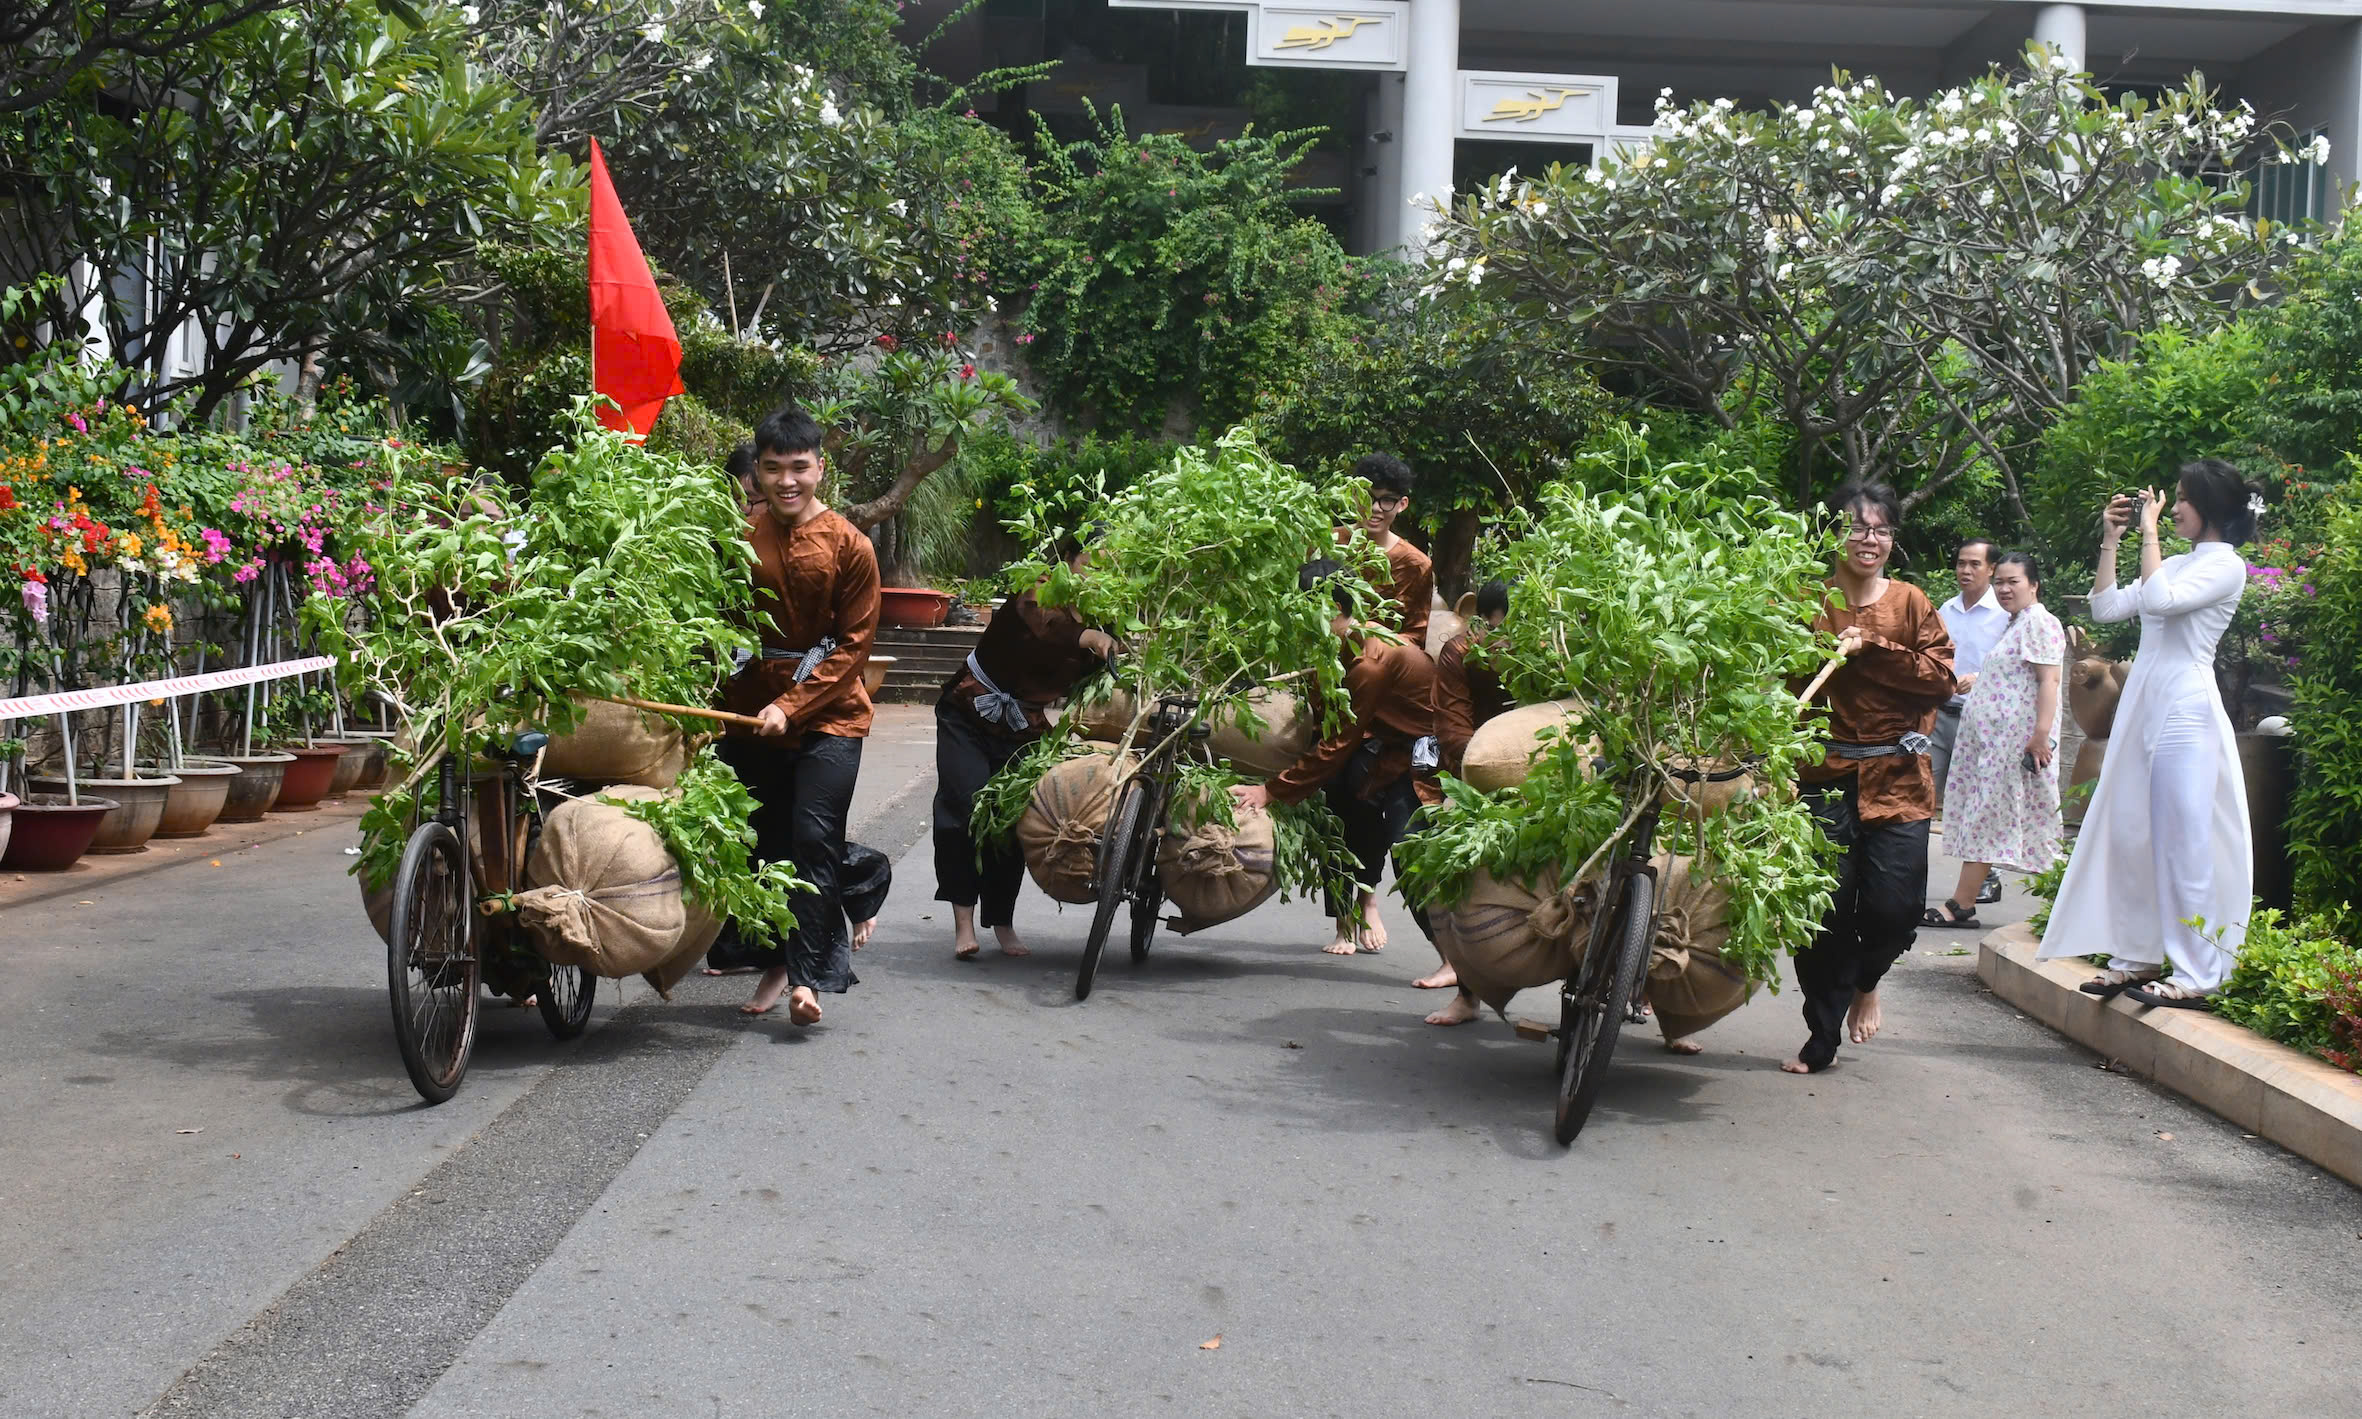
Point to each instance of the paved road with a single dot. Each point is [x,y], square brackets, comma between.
[966,1194]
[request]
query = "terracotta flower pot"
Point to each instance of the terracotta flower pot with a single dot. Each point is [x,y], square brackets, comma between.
[308,777]
[8,802]
[197,800]
[255,788]
[139,807]
[873,675]
[916,606]
[47,834]
[370,760]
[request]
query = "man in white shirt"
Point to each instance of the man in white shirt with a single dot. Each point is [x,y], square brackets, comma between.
[1976,621]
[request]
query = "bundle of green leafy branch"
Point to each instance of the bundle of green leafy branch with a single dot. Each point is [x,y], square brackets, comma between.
[1669,607]
[623,573]
[1193,568]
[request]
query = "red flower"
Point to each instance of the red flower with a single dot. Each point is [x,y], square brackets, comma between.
[34,574]
[888,342]
[7,498]
[967,371]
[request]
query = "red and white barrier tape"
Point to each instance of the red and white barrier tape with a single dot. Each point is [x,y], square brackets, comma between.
[64,700]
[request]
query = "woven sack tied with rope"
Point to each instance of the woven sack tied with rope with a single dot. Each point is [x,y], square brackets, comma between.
[1059,833]
[1289,730]
[602,893]
[617,744]
[1502,751]
[1690,985]
[1505,937]
[1216,874]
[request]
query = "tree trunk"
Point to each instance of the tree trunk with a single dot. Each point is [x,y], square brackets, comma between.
[1455,548]
[869,514]
[308,377]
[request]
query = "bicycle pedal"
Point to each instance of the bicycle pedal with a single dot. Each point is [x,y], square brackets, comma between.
[1531,1029]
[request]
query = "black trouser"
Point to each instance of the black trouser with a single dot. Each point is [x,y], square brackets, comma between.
[1417,823]
[803,792]
[1881,889]
[865,880]
[967,753]
[1373,825]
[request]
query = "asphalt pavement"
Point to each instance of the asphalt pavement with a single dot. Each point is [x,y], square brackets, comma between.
[965,1193]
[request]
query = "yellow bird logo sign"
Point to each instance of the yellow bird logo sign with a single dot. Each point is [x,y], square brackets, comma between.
[1532,106]
[1314,38]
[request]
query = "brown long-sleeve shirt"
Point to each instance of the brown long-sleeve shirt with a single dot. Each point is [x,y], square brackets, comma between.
[1413,587]
[814,580]
[1891,687]
[1467,695]
[1031,651]
[1390,697]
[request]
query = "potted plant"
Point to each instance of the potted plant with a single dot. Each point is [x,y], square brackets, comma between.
[311,766]
[49,832]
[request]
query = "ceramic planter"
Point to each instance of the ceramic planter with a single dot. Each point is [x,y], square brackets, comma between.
[139,807]
[8,802]
[308,776]
[915,606]
[2265,765]
[47,834]
[197,800]
[348,767]
[255,788]
[370,759]
[873,675]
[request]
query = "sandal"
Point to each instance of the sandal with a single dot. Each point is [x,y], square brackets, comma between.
[2109,984]
[2169,995]
[1959,917]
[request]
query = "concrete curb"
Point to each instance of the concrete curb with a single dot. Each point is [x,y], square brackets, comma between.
[2303,1104]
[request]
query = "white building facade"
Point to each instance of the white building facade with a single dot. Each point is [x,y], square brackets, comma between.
[1576,78]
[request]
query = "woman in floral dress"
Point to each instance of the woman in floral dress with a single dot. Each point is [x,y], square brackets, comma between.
[2002,805]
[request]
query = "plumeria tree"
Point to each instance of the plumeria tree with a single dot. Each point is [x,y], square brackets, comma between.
[1915,286]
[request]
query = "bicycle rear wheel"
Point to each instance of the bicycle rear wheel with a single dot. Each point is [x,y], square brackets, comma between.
[1116,848]
[431,965]
[1145,907]
[566,1000]
[1592,1006]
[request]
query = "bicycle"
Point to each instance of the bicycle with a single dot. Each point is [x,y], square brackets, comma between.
[1606,988]
[454,928]
[1136,826]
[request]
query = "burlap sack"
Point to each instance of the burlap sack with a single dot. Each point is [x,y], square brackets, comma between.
[602,892]
[1504,937]
[1106,720]
[2093,688]
[1503,749]
[1441,627]
[1289,731]
[1690,985]
[379,905]
[1217,874]
[1683,797]
[698,931]
[617,744]
[1060,830]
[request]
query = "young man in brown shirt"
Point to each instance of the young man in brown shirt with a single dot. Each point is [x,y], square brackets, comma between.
[1874,794]
[990,710]
[816,609]
[1467,696]
[1413,586]
[1365,766]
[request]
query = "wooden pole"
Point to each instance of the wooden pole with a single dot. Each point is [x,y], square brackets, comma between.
[1818,681]
[661,708]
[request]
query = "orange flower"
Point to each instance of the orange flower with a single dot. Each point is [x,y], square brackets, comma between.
[158,618]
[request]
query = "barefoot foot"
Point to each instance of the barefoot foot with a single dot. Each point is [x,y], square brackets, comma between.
[766,992]
[1372,938]
[1459,1012]
[803,1006]
[1684,1045]
[1795,1066]
[861,931]
[1863,1021]
[1444,979]
[1010,942]
[1342,946]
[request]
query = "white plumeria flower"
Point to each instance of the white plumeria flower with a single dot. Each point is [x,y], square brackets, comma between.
[1476,273]
[2318,149]
[1454,265]
[470,15]
[653,32]
[1843,151]
[755,8]
[1984,135]
[1787,269]
[1724,104]
[2162,270]
[2255,505]
[829,114]
[1541,209]
[1888,194]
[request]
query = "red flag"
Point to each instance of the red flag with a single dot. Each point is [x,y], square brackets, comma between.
[635,352]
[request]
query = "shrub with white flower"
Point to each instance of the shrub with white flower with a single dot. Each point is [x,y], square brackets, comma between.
[1916,286]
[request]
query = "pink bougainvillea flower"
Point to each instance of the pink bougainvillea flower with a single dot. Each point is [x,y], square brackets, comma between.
[36,598]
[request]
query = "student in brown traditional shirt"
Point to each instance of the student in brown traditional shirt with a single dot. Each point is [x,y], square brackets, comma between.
[1413,587]
[1875,793]
[991,708]
[816,580]
[1366,765]
[1467,695]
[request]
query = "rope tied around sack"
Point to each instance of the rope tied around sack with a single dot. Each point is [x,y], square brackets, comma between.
[1560,915]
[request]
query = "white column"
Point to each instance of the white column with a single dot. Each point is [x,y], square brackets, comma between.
[2061,27]
[1386,193]
[1428,118]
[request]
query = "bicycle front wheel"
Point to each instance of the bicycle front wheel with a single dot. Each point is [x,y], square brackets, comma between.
[566,1000]
[431,966]
[1116,847]
[1592,1005]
